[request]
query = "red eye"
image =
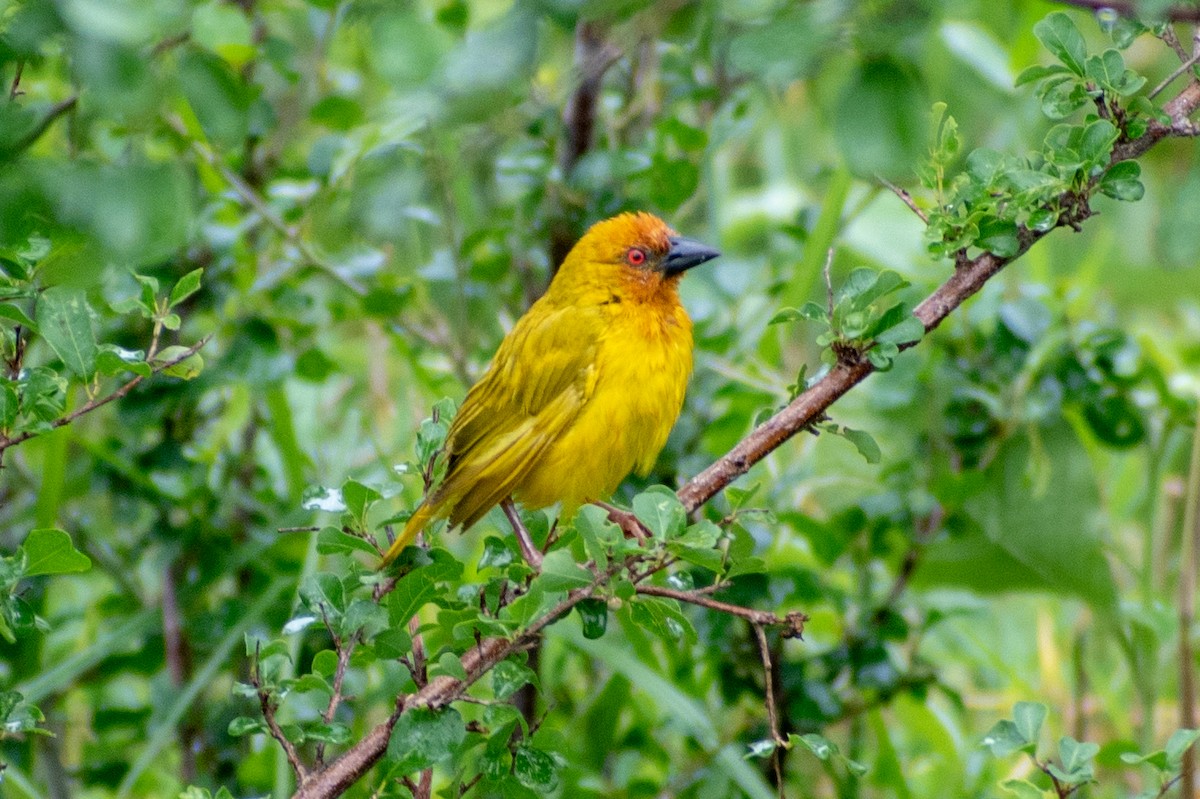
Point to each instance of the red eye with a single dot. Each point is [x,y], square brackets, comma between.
[636,256]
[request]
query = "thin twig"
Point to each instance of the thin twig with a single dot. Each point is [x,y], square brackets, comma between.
[43,124]
[532,555]
[764,652]
[794,621]
[268,712]
[92,405]
[1184,67]
[828,281]
[260,206]
[15,91]
[905,198]
[175,651]
[1169,38]
[169,43]
[344,650]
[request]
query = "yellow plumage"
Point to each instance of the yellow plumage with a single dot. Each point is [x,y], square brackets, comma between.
[584,389]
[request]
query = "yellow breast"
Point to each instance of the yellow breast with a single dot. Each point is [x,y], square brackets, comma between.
[644,359]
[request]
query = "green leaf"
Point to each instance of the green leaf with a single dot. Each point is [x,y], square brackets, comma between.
[1096,144]
[535,770]
[661,511]
[560,572]
[864,442]
[999,237]
[49,551]
[10,404]
[663,618]
[424,737]
[15,314]
[245,725]
[113,360]
[908,330]
[1057,32]
[219,98]
[1028,718]
[225,30]
[598,532]
[1061,98]
[324,593]
[1023,789]
[359,499]
[64,319]
[338,113]
[1037,72]
[817,744]
[496,553]
[1076,759]
[785,315]
[413,591]
[1121,181]
[186,369]
[188,285]
[1178,744]
[760,749]
[593,617]
[332,541]
[508,677]
[1157,759]
[1004,739]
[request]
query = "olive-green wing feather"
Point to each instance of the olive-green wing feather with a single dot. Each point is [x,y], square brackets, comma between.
[541,377]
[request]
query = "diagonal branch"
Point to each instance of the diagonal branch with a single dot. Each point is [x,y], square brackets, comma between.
[92,405]
[794,621]
[969,277]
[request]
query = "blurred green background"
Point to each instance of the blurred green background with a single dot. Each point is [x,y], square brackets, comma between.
[376,190]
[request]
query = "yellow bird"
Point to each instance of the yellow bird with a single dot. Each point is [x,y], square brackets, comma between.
[584,389]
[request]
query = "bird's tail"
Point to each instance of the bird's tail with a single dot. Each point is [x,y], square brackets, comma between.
[415,524]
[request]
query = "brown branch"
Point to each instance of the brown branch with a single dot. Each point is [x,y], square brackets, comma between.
[92,405]
[344,650]
[764,652]
[1184,67]
[1128,8]
[531,554]
[15,91]
[969,277]
[43,124]
[268,712]
[905,198]
[593,57]
[175,650]
[437,693]
[793,621]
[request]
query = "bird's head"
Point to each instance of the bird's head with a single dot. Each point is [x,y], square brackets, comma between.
[634,248]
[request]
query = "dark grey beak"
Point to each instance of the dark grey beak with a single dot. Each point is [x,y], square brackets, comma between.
[686,253]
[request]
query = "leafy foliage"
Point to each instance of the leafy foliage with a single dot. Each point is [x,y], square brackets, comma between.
[350,202]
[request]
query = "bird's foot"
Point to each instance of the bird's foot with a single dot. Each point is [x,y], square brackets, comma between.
[629,523]
[529,551]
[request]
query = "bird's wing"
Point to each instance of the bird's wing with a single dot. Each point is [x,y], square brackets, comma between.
[541,377]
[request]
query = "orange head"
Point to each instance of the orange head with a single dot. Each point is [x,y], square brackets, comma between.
[634,248]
